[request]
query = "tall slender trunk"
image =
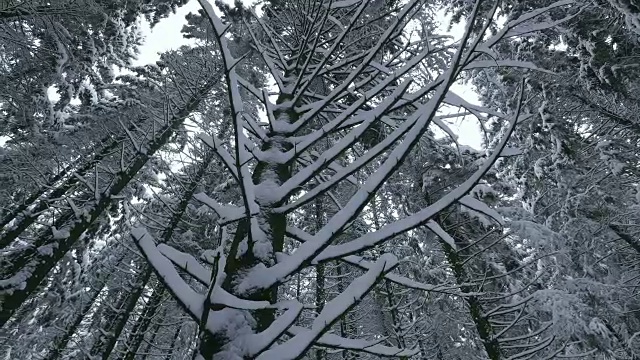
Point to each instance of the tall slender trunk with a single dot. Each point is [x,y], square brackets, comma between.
[482,323]
[388,293]
[320,273]
[59,343]
[136,335]
[148,344]
[143,321]
[116,316]
[31,304]
[33,273]
[26,219]
[633,243]
[174,339]
[395,316]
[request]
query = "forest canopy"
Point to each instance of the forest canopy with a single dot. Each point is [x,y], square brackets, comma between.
[291,183]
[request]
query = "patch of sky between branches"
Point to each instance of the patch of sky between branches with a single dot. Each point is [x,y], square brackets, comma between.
[166,35]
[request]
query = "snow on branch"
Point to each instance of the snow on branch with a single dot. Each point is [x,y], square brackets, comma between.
[219,296]
[242,155]
[186,262]
[227,213]
[163,257]
[260,342]
[223,154]
[480,64]
[366,265]
[423,216]
[372,347]
[267,59]
[412,130]
[477,205]
[343,4]
[188,298]
[353,75]
[455,100]
[514,28]
[346,141]
[441,233]
[331,312]
[303,82]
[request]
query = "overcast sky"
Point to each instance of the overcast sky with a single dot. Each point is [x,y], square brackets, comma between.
[166,35]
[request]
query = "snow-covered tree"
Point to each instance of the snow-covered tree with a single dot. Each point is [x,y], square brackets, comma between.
[289,187]
[342,72]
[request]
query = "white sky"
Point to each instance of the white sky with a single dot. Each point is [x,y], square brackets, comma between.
[166,35]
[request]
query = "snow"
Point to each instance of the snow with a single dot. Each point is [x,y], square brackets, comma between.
[260,342]
[515,27]
[413,128]
[47,250]
[511,151]
[186,262]
[232,322]
[235,325]
[368,346]
[479,64]
[59,234]
[376,65]
[441,233]
[367,265]
[421,217]
[267,191]
[344,4]
[218,26]
[446,129]
[15,282]
[340,146]
[222,297]
[227,213]
[481,207]
[224,155]
[331,312]
[355,73]
[630,13]
[538,168]
[191,300]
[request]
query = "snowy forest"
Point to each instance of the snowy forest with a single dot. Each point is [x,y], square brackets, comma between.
[296,182]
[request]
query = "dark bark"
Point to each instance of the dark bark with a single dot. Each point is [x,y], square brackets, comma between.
[272,223]
[28,219]
[59,343]
[320,275]
[482,323]
[174,339]
[136,334]
[633,243]
[40,264]
[115,319]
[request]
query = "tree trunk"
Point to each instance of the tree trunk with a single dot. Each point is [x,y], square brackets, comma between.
[27,219]
[116,317]
[320,274]
[136,335]
[40,264]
